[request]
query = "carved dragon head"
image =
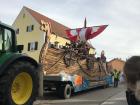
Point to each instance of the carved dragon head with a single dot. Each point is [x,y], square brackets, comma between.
[46,27]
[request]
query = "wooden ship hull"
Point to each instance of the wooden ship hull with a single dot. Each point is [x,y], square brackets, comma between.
[55,64]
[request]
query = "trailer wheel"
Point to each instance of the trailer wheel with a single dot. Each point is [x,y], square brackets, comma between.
[19,86]
[64,91]
[67,91]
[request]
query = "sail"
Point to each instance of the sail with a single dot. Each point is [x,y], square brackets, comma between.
[85,34]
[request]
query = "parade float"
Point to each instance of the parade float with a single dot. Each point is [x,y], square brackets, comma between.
[72,67]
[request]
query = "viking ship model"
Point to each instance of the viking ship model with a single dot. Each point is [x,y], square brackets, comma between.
[73,61]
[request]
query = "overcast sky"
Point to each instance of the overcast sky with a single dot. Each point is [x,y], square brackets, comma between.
[121,39]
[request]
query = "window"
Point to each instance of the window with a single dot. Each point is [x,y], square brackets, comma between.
[5,39]
[24,15]
[60,46]
[30,28]
[8,39]
[1,41]
[32,46]
[56,44]
[17,31]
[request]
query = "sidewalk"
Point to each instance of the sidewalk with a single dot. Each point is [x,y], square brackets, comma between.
[118,99]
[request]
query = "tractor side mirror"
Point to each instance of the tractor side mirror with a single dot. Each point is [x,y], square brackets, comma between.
[20,48]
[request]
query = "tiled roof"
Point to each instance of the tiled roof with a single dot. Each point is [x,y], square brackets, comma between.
[57,28]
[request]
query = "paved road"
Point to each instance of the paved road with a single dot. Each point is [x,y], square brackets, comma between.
[99,96]
[118,99]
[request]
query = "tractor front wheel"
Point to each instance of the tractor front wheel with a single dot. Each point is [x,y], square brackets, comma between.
[19,86]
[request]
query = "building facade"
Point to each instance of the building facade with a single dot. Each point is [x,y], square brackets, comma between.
[27,25]
[117,64]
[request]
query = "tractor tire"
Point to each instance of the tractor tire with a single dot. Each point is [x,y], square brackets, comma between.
[65,91]
[19,85]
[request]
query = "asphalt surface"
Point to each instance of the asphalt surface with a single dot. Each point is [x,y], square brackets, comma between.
[118,99]
[97,96]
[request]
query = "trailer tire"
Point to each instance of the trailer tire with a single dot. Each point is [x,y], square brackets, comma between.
[67,91]
[64,91]
[19,86]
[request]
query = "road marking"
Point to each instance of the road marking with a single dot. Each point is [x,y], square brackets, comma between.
[120,97]
[65,101]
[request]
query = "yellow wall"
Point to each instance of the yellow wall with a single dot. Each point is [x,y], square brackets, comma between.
[62,41]
[25,37]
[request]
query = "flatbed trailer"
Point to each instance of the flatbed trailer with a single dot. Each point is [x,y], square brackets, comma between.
[65,84]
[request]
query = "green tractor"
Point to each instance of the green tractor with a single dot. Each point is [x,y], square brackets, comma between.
[19,80]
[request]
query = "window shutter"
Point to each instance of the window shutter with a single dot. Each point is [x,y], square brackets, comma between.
[29,44]
[32,27]
[27,28]
[17,31]
[36,45]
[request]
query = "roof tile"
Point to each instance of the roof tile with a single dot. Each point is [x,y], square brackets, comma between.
[57,28]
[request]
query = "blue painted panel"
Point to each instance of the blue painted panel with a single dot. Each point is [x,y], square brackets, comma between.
[109,80]
[84,86]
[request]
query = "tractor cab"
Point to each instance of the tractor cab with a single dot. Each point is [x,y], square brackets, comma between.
[8,39]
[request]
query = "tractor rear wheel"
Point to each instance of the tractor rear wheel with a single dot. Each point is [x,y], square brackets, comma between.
[19,86]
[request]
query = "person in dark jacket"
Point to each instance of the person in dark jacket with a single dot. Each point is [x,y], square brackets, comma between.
[132,75]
